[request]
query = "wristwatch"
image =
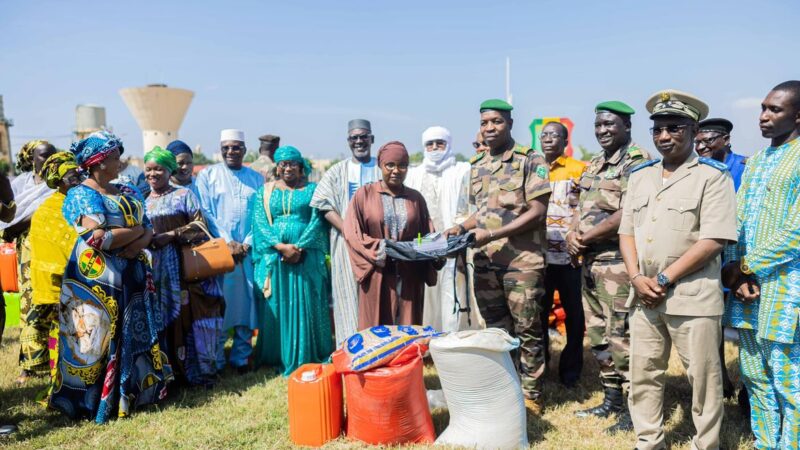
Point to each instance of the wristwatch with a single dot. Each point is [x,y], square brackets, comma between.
[662,280]
[744,267]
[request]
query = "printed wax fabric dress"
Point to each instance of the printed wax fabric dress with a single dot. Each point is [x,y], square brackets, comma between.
[109,360]
[294,322]
[192,311]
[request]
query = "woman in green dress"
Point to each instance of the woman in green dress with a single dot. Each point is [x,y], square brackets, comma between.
[293,287]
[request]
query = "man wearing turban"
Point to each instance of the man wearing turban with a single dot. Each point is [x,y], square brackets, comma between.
[444,183]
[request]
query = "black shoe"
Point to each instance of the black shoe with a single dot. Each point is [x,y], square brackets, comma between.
[241,370]
[7,430]
[624,423]
[612,404]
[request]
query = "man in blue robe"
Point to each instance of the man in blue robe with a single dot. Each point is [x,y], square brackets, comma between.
[227,191]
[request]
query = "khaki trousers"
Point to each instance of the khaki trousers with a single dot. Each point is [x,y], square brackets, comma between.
[697,341]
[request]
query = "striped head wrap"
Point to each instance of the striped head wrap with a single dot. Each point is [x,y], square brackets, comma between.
[163,158]
[56,166]
[95,148]
[25,155]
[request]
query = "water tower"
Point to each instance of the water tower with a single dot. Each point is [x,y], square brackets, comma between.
[88,119]
[158,110]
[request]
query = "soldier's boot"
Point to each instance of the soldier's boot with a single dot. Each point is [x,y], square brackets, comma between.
[612,404]
[624,422]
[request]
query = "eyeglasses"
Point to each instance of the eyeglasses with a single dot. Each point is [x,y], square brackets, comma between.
[673,130]
[437,142]
[286,164]
[232,148]
[477,144]
[707,141]
[549,134]
[392,166]
[359,137]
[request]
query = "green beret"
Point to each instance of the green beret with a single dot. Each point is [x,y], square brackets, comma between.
[615,107]
[496,104]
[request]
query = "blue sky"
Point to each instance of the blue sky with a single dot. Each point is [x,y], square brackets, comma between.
[303,69]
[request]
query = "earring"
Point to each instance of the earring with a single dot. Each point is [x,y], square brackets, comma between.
[102,166]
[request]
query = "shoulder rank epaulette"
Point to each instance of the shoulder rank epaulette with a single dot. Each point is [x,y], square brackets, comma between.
[635,152]
[477,157]
[522,150]
[713,163]
[645,164]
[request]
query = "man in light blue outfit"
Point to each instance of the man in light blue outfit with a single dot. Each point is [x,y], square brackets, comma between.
[227,191]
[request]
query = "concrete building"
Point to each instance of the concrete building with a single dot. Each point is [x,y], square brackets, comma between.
[159,111]
[88,119]
[5,140]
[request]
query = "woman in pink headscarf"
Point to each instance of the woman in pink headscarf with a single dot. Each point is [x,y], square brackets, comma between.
[390,292]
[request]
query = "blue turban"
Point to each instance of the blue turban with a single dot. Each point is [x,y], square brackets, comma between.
[289,153]
[178,147]
[95,148]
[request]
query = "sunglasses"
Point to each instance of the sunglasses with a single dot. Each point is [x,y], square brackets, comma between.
[232,148]
[673,130]
[477,144]
[438,142]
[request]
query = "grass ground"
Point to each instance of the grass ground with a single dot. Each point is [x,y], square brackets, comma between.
[250,411]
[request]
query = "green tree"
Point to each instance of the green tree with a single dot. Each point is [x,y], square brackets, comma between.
[250,157]
[415,158]
[461,158]
[585,155]
[201,159]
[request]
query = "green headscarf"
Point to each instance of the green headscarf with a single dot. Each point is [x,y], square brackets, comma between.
[163,158]
[289,153]
[56,166]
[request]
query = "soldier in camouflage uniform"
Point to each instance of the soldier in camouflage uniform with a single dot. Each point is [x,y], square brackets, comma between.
[510,190]
[593,240]
[266,150]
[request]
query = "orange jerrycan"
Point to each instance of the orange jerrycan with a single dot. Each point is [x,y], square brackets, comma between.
[315,404]
[8,268]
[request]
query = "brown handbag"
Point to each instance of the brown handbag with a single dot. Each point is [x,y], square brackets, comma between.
[208,259]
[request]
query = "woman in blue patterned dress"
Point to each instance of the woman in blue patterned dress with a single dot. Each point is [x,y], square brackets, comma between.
[109,360]
[192,311]
[293,284]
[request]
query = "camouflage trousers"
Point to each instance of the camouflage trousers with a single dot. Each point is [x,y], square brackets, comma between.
[605,291]
[513,301]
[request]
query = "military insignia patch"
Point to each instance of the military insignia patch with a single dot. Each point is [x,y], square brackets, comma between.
[91,263]
[541,172]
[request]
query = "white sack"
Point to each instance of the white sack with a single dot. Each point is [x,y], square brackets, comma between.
[482,389]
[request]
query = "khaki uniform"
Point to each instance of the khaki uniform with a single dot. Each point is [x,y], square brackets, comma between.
[509,272]
[666,218]
[605,281]
[265,167]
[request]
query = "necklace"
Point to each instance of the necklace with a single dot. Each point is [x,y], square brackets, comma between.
[287,209]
